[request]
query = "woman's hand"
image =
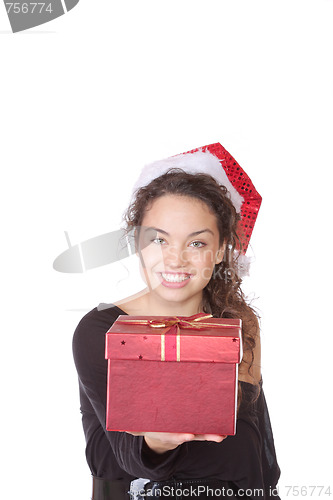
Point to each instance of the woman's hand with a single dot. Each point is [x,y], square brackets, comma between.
[160,442]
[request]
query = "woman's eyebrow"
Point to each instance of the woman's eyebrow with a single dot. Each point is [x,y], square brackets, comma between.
[167,234]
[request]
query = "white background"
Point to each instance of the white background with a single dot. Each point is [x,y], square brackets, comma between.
[85,101]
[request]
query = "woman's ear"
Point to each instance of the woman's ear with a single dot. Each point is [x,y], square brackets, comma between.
[220,254]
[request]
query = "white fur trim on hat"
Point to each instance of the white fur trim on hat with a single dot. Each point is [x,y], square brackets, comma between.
[193,163]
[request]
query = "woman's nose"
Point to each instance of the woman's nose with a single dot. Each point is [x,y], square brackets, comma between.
[175,257]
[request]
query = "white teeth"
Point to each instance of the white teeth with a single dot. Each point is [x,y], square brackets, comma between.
[175,277]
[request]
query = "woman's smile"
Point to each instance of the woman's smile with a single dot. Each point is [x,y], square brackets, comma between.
[175,280]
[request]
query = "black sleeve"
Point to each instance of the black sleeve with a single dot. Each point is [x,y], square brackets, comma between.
[270,467]
[130,452]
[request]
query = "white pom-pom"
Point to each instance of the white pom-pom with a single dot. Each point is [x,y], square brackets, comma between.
[243,264]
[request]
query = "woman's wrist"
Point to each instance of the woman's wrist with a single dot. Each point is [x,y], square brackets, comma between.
[158,446]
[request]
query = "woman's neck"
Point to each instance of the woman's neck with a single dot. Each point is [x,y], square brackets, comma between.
[143,304]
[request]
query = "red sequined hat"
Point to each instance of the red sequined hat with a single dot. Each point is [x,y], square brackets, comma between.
[243,185]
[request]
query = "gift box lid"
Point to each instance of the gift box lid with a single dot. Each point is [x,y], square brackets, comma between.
[146,338]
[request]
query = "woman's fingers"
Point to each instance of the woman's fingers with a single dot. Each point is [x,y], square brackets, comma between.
[178,438]
[209,437]
[166,437]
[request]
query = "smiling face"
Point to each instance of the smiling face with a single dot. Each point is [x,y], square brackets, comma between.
[179,247]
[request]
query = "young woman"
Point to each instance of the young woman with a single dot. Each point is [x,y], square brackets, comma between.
[186,234]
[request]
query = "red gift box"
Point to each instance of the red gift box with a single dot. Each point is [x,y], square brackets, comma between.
[173,374]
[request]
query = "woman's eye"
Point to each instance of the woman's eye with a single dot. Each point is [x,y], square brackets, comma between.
[198,244]
[158,241]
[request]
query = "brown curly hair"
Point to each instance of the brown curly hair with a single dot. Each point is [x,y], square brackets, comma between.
[222,296]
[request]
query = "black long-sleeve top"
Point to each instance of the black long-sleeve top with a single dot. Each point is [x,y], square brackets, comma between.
[247,459]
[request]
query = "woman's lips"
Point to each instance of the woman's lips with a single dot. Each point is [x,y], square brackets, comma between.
[174,280]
